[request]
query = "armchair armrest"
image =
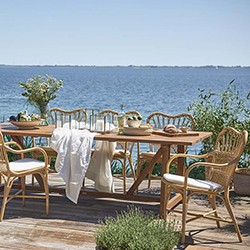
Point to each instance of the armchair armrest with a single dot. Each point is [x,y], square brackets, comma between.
[172,158]
[33,149]
[13,143]
[210,165]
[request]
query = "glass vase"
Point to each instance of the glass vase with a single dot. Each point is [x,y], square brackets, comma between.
[44,113]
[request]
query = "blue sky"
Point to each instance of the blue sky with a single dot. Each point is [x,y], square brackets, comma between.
[125,32]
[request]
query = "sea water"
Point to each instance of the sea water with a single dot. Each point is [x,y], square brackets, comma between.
[145,89]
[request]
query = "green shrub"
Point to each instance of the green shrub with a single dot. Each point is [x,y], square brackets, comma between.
[214,111]
[136,230]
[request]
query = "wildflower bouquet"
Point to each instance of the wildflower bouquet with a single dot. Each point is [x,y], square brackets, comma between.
[40,90]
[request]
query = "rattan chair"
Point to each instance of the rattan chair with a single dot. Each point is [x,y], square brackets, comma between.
[20,168]
[158,120]
[219,165]
[123,152]
[72,119]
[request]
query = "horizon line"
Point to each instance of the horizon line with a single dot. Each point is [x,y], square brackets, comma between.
[131,65]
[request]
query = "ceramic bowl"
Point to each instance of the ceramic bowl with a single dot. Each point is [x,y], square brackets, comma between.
[27,124]
[184,129]
[134,123]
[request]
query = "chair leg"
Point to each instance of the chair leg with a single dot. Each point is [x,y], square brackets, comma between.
[32,180]
[22,179]
[138,168]
[124,174]
[132,167]
[46,190]
[149,178]
[230,211]
[166,195]
[184,216]
[213,205]
[7,187]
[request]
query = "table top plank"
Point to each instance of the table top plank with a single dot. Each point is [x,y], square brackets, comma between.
[47,131]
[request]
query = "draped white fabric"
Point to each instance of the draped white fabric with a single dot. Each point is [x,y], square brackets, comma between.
[100,166]
[74,153]
[74,160]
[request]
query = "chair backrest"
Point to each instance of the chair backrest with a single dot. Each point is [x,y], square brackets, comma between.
[229,147]
[71,118]
[132,112]
[110,116]
[4,161]
[159,120]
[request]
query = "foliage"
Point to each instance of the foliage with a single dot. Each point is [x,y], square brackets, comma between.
[214,111]
[40,90]
[134,229]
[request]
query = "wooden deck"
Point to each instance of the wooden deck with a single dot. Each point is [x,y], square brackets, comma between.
[71,226]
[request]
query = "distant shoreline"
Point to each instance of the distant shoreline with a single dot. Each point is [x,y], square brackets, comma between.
[128,66]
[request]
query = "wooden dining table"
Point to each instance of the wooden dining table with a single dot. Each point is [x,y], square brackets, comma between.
[163,153]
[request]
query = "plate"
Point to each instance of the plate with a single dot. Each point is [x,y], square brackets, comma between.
[137,131]
[190,133]
[26,125]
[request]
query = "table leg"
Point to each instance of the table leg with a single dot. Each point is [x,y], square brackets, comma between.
[165,158]
[18,139]
[180,160]
[146,171]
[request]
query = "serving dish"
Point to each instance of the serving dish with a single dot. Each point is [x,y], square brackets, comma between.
[26,124]
[163,133]
[137,131]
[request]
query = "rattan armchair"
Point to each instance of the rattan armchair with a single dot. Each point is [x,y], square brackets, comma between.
[123,152]
[158,120]
[219,168]
[20,168]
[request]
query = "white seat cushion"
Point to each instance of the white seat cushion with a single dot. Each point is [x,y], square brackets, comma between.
[195,183]
[121,151]
[25,164]
[148,153]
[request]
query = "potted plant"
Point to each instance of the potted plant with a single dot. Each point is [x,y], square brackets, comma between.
[241,181]
[241,177]
[40,90]
[135,229]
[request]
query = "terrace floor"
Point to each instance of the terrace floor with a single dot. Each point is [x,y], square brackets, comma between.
[71,226]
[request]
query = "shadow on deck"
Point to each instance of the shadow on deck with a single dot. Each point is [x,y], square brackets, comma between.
[73,226]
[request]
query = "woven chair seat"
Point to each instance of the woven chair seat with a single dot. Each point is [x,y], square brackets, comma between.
[25,164]
[192,183]
[121,152]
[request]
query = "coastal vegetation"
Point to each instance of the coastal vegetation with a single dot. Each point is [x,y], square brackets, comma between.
[134,229]
[214,111]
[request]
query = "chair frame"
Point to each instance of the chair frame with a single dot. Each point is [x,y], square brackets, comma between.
[9,176]
[158,120]
[220,165]
[126,148]
[63,116]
